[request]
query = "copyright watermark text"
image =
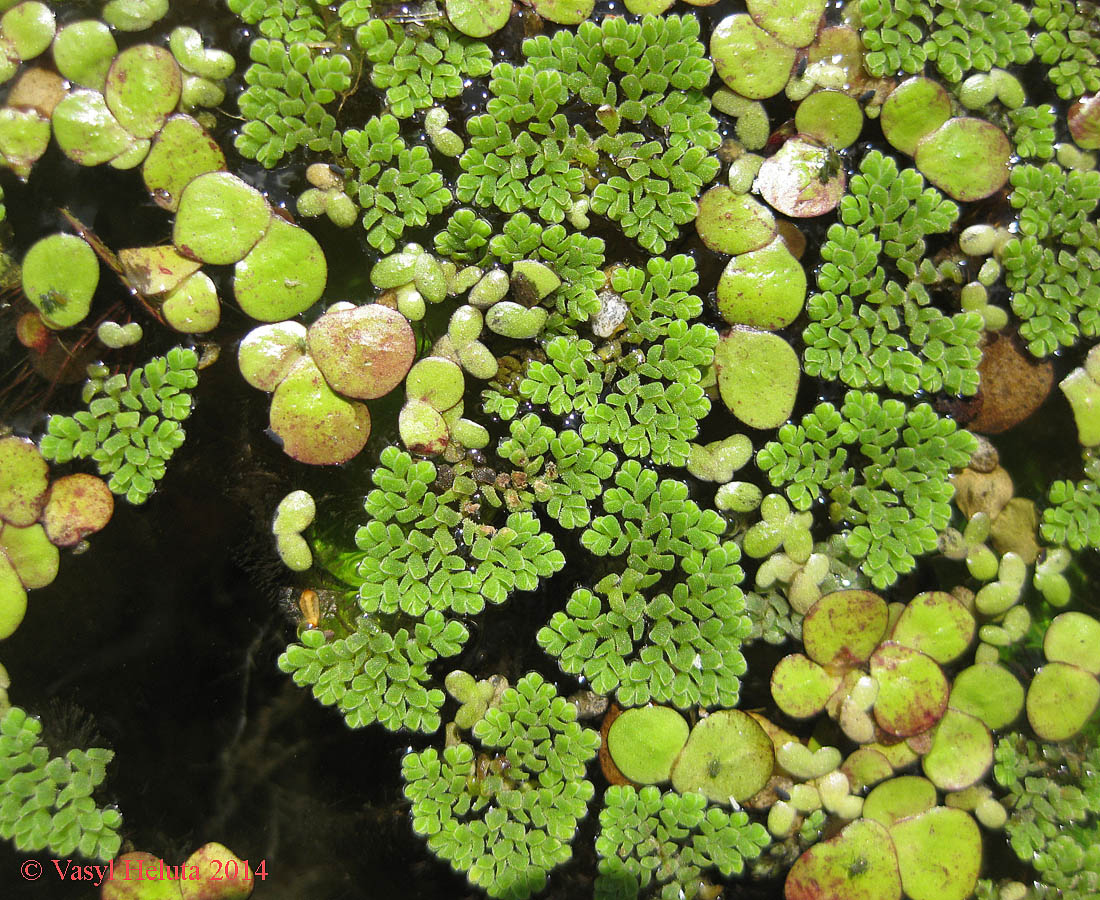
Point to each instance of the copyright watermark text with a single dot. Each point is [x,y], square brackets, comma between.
[140,869]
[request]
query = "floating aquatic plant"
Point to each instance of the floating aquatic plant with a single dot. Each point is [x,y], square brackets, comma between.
[873,322]
[577,260]
[46,803]
[418,67]
[282,20]
[1069,45]
[1053,802]
[507,825]
[131,425]
[957,36]
[375,675]
[284,106]
[891,507]
[688,835]
[560,469]
[411,561]
[395,185]
[1050,267]
[632,635]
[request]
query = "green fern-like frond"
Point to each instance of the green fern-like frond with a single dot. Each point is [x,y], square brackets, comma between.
[373,675]
[885,469]
[1032,131]
[571,379]
[1073,517]
[46,803]
[282,20]
[415,558]
[1053,267]
[562,471]
[655,194]
[520,167]
[396,186]
[969,35]
[287,104]
[668,627]
[130,428]
[687,835]
[507,824]
[576,259]
[872,322]
[1069,45]
[417,67]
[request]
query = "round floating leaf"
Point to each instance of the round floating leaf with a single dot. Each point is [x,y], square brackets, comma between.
[295,512]
[30,27]
[478,18]
[914,109]
[749,60]
[758,376]
[912,690]
[843,628]
[131,157]
[831,117]
[316,425]
[87,131]
[83,53]
[729,222]
[800,687]
[422,428]
[60,275]
[38,89]
[936,624]
[864,768]
[860,863]
[24,136]
[728,757]
[156,270]
[212,862]
[966,158]
[154,889]
[363,352]
[763,288]
[436,381]
[30,552]
[1074,638]
[283,275]
[76,506]
[24,479]
[1083,119]
[961,754]
[269,352]
[806,764]
[193,307]
[220,219]
[532,281]
[564,12]
[794,22]
[990,692]
[899,798]
[939,854]
[513,320]
[802,179]
[13,599]
[187,47]
[182,151]
[645,742]
[647,7]
[143,87]
[1060,700]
